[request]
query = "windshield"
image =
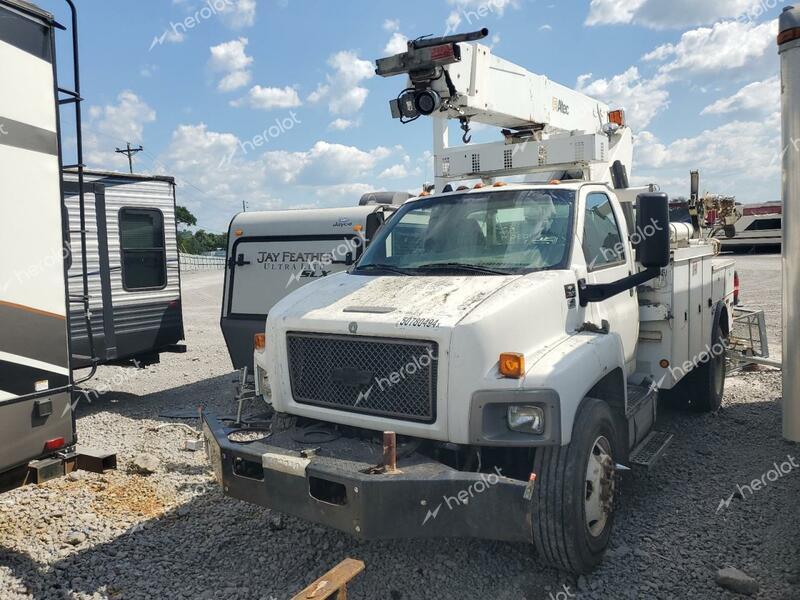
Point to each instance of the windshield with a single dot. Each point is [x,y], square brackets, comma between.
[509,232]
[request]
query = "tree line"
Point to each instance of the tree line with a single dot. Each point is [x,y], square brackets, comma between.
[199,241]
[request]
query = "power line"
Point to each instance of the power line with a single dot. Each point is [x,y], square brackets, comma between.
[130,152]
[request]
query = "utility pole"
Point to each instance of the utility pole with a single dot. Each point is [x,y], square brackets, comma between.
[129,152]
[244,206]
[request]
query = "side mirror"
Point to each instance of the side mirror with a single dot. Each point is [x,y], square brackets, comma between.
[651,238]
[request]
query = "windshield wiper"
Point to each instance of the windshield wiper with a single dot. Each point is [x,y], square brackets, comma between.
[382,267]
[456,266]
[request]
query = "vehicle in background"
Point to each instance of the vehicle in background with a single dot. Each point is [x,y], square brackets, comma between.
[133,269]
[272,253]
[760,228]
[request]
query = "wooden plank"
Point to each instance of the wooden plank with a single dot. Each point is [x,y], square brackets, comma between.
[334,583]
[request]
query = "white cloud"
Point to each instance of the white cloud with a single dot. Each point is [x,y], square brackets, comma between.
[266,98]
[350,101]
[239,14]
[319,94]
[391,24]
[612,12]
[658,14]
[344,193]
[324,163]
[234,81]
[113,125]
[343,89]
[397,44]
[546,27]
[763,96]
[342,124]
[725,46]
[641,98]
[232,61]
[211,186]
[394,172]
[736,158]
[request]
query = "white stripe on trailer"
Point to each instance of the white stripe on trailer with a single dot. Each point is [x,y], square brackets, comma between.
[30,99]
[34,364]
[7,396]
[29,186]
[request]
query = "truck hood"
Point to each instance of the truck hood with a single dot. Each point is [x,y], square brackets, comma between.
[406,302]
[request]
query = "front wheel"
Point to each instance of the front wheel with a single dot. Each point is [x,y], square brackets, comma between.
[573,505]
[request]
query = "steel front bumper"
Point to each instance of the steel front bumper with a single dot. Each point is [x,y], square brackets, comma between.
[424,498]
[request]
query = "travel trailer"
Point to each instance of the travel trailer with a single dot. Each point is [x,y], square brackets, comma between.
[760,228]
[273,253]
[132,267]
[37,389]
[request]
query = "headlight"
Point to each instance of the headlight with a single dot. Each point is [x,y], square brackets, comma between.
[526,419]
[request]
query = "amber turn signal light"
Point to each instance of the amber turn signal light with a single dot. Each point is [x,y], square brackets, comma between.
[512,364]
[260,341]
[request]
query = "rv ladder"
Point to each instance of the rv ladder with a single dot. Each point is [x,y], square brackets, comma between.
[74,97]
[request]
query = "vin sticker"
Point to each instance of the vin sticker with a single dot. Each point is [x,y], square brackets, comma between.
[418,322]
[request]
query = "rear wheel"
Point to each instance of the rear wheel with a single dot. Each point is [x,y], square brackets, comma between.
[707,380]
[573,503]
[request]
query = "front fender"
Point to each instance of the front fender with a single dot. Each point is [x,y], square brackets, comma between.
[573,368]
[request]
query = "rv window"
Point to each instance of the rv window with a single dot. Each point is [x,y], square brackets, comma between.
[764,225]
[141,235]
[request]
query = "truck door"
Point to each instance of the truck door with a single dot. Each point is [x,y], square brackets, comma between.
[608,259]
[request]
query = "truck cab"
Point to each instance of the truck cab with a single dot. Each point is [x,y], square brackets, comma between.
[461,278]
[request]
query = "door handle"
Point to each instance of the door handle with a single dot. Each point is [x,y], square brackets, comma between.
[240,261]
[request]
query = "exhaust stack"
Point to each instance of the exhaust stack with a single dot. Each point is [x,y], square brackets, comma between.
[789,50]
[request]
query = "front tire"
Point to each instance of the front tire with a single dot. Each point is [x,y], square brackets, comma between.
[573,502]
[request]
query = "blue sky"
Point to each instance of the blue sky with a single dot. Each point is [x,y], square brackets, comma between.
[195,82]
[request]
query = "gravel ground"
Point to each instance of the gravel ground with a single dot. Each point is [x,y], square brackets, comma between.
[172,535]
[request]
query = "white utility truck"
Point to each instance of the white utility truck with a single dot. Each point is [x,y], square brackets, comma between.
[496,354]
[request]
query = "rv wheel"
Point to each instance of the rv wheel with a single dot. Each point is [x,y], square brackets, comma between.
[573,502]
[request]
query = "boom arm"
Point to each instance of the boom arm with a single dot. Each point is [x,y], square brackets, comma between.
[548,128]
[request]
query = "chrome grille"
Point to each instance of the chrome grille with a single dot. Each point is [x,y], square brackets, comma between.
[386,377]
